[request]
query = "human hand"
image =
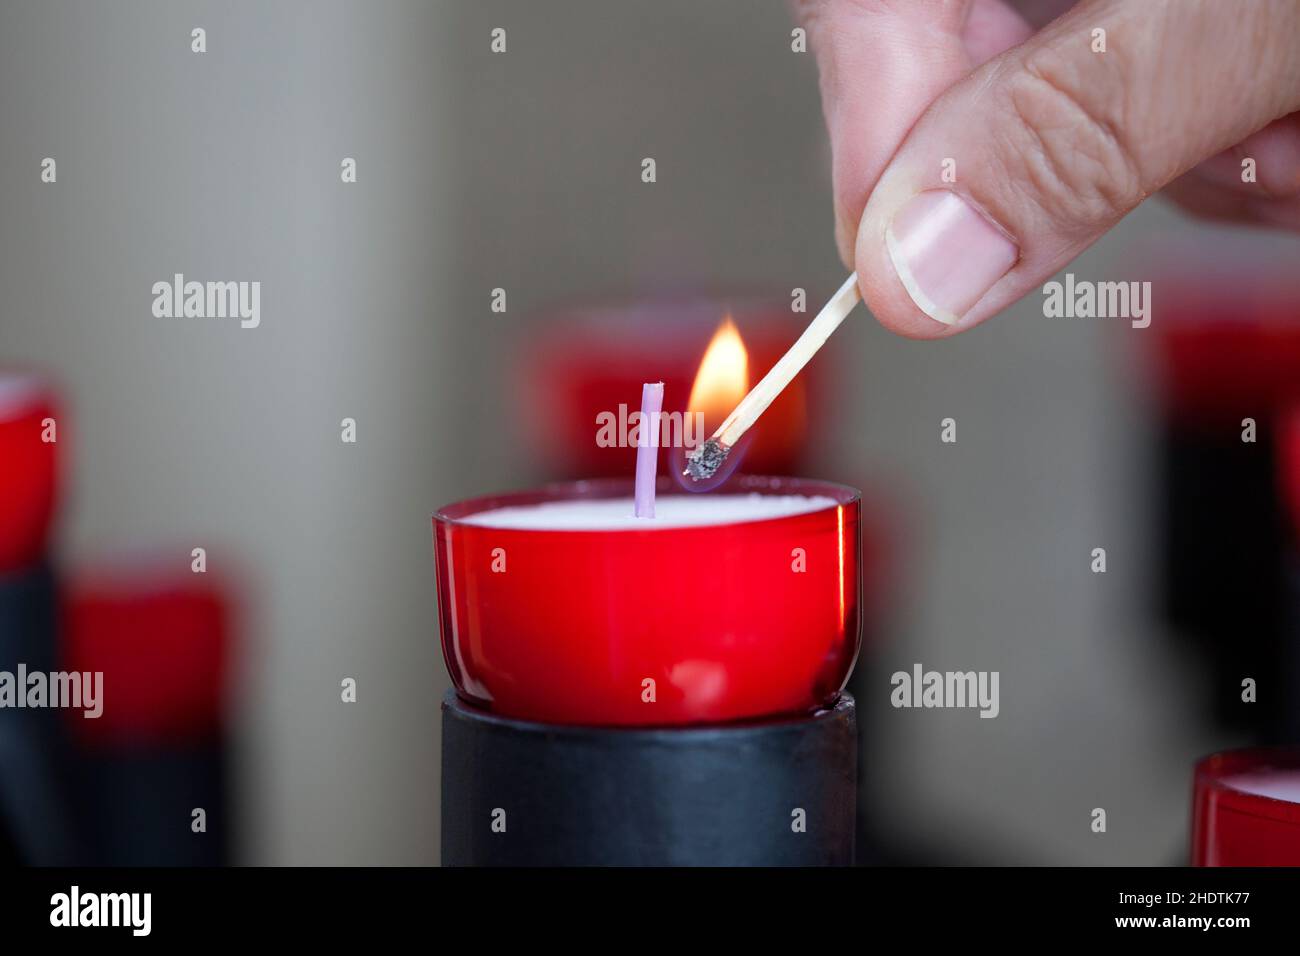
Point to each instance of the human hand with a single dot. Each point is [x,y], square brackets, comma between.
[974,156]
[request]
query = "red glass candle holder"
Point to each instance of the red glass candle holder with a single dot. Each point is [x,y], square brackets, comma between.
[1235,822]
[730,621]
[161,638]
[28,469]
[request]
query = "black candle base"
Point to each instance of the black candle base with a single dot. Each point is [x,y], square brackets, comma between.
[1218,496]
[138,804]
[35,812]
[780,792]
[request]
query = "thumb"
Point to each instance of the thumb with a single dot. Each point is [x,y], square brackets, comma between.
[881,63]
[1021,166]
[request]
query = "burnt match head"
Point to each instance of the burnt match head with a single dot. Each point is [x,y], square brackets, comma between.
[705,461]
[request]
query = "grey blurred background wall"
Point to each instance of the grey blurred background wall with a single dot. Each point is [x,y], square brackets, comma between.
[189,432]
[522,171]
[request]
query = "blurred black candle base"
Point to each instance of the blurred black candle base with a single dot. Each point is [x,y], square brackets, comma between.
[142,802]
[1224,585]
[1226,372]
[765,793]
[35,785]
[151,770]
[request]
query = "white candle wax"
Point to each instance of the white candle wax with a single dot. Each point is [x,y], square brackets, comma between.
[671,511]
[1278,784]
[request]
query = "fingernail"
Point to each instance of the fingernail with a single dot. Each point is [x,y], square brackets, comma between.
[947,253]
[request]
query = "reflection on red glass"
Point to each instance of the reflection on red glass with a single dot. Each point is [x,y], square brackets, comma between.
[1247,809]
[716,616]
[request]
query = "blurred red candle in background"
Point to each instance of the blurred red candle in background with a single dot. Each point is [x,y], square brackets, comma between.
[161,638]
[1227,352]
[581,363]
[28,468]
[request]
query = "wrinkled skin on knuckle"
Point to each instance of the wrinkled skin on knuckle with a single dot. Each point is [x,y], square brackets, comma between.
[1069,141]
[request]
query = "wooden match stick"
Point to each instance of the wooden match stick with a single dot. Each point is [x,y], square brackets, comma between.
[704,461]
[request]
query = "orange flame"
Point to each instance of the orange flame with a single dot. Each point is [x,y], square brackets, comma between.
[723,378]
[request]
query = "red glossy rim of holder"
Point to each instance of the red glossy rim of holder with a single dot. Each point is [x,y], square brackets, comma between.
[574,622]
[29,469]
[1236,827]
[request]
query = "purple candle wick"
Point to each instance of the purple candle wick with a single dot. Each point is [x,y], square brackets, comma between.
[647,448]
